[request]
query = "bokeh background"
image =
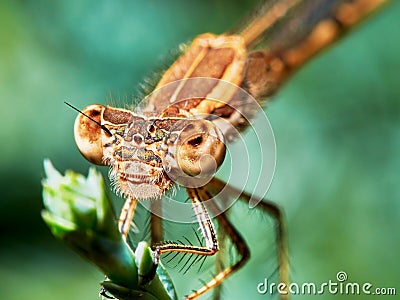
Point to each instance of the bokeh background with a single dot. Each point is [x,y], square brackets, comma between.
[336,123]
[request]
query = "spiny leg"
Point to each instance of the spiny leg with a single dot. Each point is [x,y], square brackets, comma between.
[126,216]
[216,186]
[236,239]
[221,257]
[206,227]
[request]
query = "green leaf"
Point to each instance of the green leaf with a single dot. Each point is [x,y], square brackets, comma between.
[79,212]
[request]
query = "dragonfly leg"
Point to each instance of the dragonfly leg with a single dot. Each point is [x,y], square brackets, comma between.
[236,239]
[273,210]
[126,216]
[206,227]
[221,258]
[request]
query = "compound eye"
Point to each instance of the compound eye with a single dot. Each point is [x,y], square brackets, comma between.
[88,134]
[200,149]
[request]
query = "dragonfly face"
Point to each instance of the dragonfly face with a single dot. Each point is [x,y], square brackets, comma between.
[147,155]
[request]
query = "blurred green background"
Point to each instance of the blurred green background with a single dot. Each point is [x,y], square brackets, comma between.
[336,123]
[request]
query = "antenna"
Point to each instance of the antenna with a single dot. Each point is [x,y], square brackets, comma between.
[90,118]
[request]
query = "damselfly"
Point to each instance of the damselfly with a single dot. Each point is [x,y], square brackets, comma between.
[200,102]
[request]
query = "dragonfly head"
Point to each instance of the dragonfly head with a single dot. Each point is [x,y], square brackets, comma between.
[124,141]
[147,155]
